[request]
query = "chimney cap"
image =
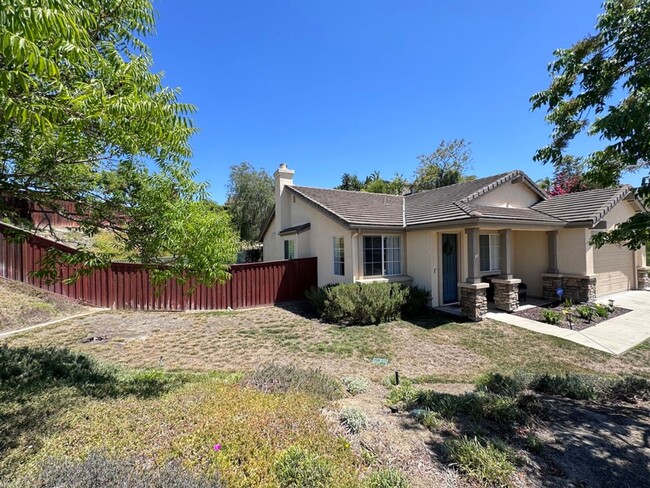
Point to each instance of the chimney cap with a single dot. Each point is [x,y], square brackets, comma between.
[283,165]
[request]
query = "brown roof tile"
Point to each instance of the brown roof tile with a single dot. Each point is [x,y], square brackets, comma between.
[585,206]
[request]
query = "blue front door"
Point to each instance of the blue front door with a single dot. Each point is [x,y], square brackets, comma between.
[449,268]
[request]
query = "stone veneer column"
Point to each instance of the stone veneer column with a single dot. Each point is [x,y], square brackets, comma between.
[578,288]
[643,278]
[506,294]
[550,283]
[473,302]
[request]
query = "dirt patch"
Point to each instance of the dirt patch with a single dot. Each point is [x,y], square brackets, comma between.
[575,322]
[22,305]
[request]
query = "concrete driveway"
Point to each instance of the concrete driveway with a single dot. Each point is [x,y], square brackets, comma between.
[615,335]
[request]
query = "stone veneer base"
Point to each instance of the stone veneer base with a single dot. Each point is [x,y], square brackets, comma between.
[473,300]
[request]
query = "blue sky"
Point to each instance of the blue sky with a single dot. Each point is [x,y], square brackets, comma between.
[359,86]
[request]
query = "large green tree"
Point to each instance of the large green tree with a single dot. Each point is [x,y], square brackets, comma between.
[250,199]
[601,86]
[83,119]
[447,165]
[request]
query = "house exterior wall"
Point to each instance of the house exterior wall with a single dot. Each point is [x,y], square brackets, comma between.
[422,263]
[315,242]
[515,195]
[574,254]
[530,259]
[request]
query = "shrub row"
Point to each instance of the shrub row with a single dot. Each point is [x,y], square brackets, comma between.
[368,303]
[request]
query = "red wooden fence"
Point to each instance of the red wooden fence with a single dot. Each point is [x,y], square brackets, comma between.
[127,285]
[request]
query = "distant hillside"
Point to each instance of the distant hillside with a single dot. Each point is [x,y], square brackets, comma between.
[23,305]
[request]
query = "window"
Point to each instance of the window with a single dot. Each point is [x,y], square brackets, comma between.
[289,249]
[490,252]
[382,255]
[339,256]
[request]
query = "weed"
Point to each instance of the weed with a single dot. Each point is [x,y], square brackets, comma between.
[385,478]
[570,386]
[354,419]
[356,384]
[534,444]
[431,420]
[298,468]
[484,461]
[551,316]
[272,378]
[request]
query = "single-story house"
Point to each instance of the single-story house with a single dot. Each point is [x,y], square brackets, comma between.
[453,240]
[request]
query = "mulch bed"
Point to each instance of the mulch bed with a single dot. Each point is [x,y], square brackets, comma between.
[577,323]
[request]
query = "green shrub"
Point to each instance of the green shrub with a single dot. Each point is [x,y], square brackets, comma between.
[417,300]
[487,462]
[356,384]
[385,478]
[403,396]
[353,419]
[367,303]
[551,316]
[585,311]
[570,386]
[500,385]
[271,378]
[99,470]
[628,389]
[601,310]
[298,468]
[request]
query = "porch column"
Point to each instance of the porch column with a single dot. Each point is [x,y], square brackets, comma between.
[552,252]
[506,254]
[473,257]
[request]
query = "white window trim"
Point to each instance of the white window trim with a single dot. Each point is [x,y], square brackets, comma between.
[490,271]
[383,262]
[336,240]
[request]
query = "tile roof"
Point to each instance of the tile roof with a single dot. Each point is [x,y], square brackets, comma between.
[586,206]
[296,229]
[356,207]
[455,202]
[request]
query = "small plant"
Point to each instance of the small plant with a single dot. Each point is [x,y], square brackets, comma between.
[567,303]
[551,316]
[353,419]
[356,384]
[385,478]
[500,385]
[297,468]
[487,462]
[402,396]
[431,420]
[534,444]
[273,378]
[629,389]
[585,312]
[601,310]
[568,386]
[416,301]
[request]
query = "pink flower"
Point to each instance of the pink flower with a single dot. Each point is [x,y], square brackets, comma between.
[217,447]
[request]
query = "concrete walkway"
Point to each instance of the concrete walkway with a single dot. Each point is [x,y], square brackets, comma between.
[614,336]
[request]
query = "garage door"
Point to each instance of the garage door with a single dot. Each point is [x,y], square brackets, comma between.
[614,268]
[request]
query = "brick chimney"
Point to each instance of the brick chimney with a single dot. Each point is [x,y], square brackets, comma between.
[283,177]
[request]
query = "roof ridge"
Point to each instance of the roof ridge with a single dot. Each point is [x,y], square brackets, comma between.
[346,191]
[423,192]
[622,192]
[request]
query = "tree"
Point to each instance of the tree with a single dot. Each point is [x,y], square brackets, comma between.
[350,183]
[82,119]
[601,86]
[445,166]
[250,199]
[569,177]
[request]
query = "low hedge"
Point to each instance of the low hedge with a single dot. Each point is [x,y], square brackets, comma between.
[367,303]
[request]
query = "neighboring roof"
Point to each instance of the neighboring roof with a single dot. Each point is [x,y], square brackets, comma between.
[296,229]
[585,206]
[356,208]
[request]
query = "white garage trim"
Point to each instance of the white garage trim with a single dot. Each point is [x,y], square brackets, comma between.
[614,269]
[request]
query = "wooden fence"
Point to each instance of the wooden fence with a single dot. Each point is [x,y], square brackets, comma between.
[127,285]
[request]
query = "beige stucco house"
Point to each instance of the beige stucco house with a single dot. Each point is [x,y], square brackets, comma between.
[451,241]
